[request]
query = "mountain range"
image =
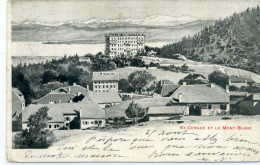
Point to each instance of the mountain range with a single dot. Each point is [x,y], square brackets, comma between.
[156,28]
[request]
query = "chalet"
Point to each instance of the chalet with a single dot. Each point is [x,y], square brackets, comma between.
[105,81]
[63,95]
[237,96]
[166,112]
[105,99]
[194,78]
[250,105]
[164,88]
[18,102]
[239,81]
[202,99]
[62,115]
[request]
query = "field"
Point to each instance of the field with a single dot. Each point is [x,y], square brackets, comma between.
[65,136]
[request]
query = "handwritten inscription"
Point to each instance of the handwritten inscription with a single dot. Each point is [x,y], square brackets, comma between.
[157,145]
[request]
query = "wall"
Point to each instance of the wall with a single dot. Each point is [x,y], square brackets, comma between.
[91,123]
[100,86]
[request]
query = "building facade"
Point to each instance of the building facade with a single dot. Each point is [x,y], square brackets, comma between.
[118,44]
[105,81]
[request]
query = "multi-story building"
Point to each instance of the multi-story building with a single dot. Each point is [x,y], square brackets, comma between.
[124,44]
[105,81]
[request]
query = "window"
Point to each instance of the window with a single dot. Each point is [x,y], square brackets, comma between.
[203,106]
[223,106]
[92,122]
[49,126]
[86,123]
[67,118]
[209,106]
[54,126]
[67,124]
[58,125]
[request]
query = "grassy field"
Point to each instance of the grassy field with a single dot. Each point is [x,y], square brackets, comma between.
[64,136]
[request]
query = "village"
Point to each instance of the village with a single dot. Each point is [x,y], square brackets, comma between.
[78,107]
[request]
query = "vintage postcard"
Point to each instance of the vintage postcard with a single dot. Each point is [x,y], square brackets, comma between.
[133,81]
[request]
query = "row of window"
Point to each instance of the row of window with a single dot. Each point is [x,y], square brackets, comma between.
[100,82]
[209,106]
[104,86]
[126,38]
[134,49]
[101,90]
[92,122]
[55,126]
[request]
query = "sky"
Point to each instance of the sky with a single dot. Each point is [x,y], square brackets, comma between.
[68,10]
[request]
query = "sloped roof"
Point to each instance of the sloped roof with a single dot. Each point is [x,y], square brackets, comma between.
[56,97]
[168,89]
[194,76]
[256,96]
[240,79]
[105,97]
[201,94]
[166,110]
[105,76]
[119,110]
[89,110]
[18,94]
[237,93]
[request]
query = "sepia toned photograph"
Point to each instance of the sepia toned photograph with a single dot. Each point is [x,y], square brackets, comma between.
[133,81]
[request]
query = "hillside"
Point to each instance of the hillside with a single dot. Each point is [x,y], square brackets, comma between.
[233,41]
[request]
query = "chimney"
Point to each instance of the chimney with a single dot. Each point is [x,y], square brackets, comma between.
[212,85]
[69,89]
[180,97]
[184,83]
[87,87]
[74,84]
[227,88]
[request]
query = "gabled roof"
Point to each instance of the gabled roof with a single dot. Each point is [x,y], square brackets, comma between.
[119,110]
[56,97]
[105,76]
[19,95]
[166,110]
[168,89]
[240,79]
[201,94]
[105,97]
[88,110]
[194,76]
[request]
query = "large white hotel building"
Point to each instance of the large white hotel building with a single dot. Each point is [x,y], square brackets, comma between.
[124,44]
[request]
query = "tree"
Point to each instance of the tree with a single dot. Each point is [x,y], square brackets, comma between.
[219,78]
[140,79]
[123,85]
[37,136]
[49,76]
[135,111]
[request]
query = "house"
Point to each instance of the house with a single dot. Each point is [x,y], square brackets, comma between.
[236,96]
[250,105]
[84,59]
[18,103]
[166,112]
[202,99]
[194,78]
[105,81]
[124,44]
[240,80]
[151,53]
[105,99]
[166,90]
[62,115]
[63,95]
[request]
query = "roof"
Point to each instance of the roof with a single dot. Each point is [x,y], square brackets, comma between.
[119,110]
[166,110]
[18,94]
[256,96]
[168,89]
[194,76]
[105,76]
[240,79]
[237,93]
[56,97]
[89,109]
[201,94]
[105,97]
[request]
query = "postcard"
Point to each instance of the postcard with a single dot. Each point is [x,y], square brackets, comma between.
[133,81]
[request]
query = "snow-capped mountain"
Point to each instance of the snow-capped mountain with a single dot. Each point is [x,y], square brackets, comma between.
[155,20]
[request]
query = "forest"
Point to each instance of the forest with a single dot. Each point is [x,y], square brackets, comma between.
[233,41]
